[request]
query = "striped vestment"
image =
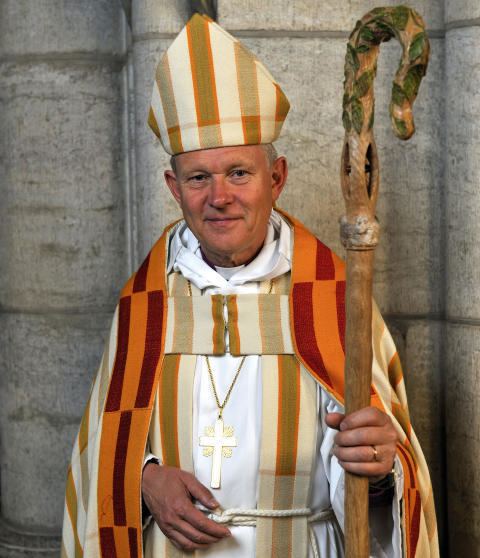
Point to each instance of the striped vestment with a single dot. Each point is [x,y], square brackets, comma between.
[144,391]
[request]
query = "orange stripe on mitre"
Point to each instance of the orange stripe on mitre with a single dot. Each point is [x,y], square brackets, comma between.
[282,104]
[152,122]
[203,75]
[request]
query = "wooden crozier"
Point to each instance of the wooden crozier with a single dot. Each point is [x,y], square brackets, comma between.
[359,228]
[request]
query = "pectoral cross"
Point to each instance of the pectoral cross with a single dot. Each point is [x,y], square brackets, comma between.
[218,441]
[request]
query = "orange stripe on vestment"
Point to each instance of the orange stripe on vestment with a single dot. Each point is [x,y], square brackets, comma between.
[218,336]
[168,397]
[204,86]
[233,332]
[288,413]
[137,348]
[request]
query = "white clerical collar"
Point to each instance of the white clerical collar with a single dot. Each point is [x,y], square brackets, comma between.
[273,260]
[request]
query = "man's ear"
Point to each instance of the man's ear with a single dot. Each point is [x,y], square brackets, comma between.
[279,176]
[171,180]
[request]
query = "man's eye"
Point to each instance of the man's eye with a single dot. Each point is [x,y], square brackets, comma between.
[198,178]
[239,173]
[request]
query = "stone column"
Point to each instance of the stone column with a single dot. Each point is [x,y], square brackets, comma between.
[154,25]
[463,275]
[62,244]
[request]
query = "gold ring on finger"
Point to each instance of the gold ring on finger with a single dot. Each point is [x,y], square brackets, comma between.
[375,453]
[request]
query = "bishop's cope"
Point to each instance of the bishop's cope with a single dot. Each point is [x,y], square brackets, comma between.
[215,424]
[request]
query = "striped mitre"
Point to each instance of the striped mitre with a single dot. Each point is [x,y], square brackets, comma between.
[210,91]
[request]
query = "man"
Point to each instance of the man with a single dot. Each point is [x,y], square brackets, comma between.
[219,397]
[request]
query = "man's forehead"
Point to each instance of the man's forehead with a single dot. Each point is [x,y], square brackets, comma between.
[221,156]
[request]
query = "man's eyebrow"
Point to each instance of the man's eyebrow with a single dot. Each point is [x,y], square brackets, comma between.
[243,164]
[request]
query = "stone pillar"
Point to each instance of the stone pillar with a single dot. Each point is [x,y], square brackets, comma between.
[154,25]
[303,44]
[463,275]
[62,244]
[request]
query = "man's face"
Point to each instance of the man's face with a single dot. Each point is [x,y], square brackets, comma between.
[226,195]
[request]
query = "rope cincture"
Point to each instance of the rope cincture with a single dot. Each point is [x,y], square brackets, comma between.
[248,518]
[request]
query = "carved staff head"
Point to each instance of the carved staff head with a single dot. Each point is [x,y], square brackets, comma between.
[360,169]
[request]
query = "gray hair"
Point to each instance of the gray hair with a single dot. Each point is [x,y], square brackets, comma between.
[270,153]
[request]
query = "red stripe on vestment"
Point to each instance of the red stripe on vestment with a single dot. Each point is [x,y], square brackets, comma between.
[119,513]
[411,473]
[341,317]
[107,542]
[140,281]
[305,330]
[153,346]
[325,268]
[132,542]
[116,383]
[415,524]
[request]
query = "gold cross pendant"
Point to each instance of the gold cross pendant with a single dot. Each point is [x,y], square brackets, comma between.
[217,442]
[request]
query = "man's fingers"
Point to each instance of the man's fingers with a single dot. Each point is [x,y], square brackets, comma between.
[194,535]
[201,523]
[367,436]
[334,420]
[368,416]
[200,492]
[365,454]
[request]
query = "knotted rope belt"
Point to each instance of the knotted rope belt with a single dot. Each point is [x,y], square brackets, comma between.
[248,518]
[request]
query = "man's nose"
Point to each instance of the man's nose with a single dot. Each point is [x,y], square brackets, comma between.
[220,193]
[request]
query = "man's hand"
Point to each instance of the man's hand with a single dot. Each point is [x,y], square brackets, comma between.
[168,493]
[366,442]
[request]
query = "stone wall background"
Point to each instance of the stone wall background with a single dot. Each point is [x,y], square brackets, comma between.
[82,200]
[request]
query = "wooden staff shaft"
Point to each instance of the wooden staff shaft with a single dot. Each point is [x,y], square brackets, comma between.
[358,374]
[360,184]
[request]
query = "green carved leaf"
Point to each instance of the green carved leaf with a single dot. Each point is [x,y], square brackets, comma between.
[400,17]
[398,95]
[382,12]
[401,127]
[357,115]
[412,81]
[363,84]
[347,123]
[362,49]
[351,58]
[346,99]
[367,35]
[417,46]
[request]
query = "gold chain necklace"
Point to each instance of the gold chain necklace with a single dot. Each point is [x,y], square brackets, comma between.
[221,406]
[219,440]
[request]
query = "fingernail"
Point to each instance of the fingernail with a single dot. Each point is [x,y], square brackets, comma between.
[343,426]
[214,503]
